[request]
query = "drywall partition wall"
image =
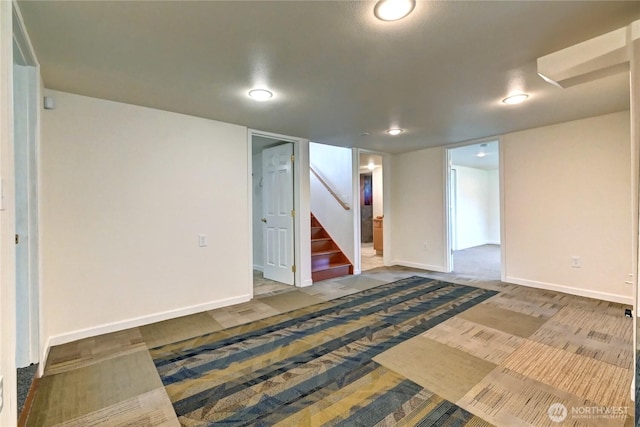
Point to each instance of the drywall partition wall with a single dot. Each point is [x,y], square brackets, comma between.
[126,192]
[256,185]
[417,202]
[493,231]
[568,194]
[472,208]
[333,164]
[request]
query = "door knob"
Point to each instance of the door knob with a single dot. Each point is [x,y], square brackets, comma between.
[264,220]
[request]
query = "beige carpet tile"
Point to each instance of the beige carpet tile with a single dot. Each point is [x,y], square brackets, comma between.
[599,382]
[92,350]
[361,282]
[327,290]
[446,371]
[602,326]
[81,391]
[263,286]
[577,337]
[242,313]
[511,322]
[180,328]
[290,300]
[507,398]
[478,340]
[542,309]
[148,409]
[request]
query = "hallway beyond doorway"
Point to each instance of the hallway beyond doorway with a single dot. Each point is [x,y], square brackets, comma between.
[369,258]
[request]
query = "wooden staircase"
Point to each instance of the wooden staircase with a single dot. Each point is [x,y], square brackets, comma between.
[327,260]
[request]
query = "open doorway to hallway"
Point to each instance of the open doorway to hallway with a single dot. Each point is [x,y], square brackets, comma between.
[371,211]
[474,210]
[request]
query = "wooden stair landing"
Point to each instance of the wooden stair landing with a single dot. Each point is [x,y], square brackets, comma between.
[327,260]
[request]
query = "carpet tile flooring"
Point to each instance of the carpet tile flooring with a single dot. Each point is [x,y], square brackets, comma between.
[564,350]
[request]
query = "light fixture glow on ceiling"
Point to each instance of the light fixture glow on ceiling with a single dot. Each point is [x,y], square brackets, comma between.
[371,166]
[392,10]
[482,153]
[260,94]
[395,131]
[515,99]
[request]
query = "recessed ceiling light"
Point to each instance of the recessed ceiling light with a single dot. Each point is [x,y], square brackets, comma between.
[395,131]
[515,99]
[481,154]
[392,10]
[260,94]
[371,166]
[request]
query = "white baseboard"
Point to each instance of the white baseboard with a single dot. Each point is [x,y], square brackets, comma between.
[497,242]
[437,268]
[259,268]
[137,321]
[605,296]
[306,282]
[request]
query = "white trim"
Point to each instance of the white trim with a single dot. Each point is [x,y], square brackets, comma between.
[605,296]
[503,222]
[436,268]
[448,242]
[139,321]
[259,268]
[306,282]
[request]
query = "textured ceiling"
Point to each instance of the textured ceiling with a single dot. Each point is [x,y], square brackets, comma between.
[336,71]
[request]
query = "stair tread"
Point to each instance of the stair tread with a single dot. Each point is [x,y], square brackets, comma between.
[331,266]
[326,252]
[317,239]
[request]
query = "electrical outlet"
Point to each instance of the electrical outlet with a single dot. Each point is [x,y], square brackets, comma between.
[203,240]
[425,246]
[576,262]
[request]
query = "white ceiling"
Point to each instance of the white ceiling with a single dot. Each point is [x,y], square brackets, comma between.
[336,71]
[468,156]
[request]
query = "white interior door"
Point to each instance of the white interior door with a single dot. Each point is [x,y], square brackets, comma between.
[277,198]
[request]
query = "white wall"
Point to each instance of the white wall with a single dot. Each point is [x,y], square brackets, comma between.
[568,193]
[472,208]
[125,192]
[258,257]
[477,208]
[417,203]
[493,226]
[334,164]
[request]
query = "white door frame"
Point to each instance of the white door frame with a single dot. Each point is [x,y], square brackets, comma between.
[26,168]
[302,222]
[386,207]
[448,254]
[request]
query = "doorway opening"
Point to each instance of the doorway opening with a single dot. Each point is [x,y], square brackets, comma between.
[371,202]
[273,202]
[473,194]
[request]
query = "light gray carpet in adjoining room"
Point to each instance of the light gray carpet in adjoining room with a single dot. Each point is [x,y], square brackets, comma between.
[479,261]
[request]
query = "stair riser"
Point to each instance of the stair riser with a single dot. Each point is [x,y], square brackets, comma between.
[317,233]
[330,274]
[323,245]
[323,261]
